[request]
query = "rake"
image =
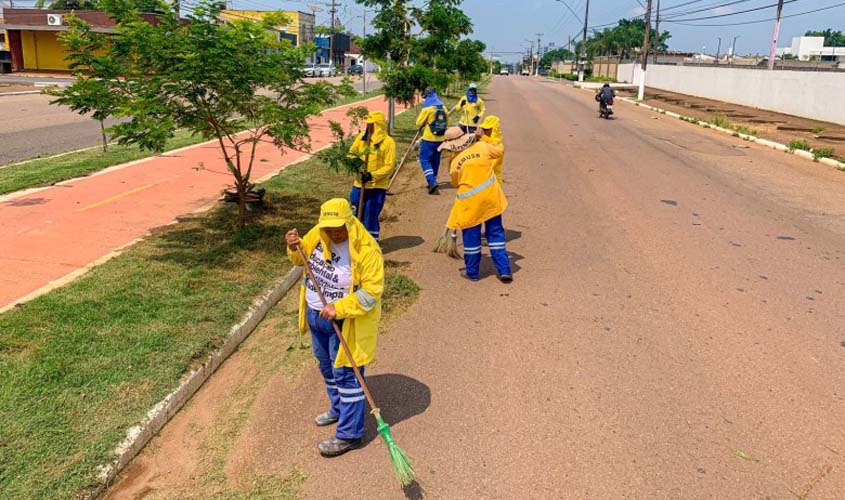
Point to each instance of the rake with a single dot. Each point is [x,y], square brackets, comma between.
[401,466]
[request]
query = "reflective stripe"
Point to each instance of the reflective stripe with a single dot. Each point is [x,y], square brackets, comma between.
[330,381]
[474,252]
[332,387]
[354,390]
[428,172]
[353,400]
[366,300]
[477,189]
[496,245]
[471,249]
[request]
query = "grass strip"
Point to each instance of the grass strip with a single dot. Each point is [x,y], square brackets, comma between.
[48,171]
[83,363]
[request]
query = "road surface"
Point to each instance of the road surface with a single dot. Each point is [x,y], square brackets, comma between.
[676,330]
[32,127]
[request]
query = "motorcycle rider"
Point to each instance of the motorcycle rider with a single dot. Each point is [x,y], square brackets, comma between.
[604,95]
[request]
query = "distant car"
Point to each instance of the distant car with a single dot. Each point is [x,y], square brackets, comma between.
[310,70]
[326,70]
[355,69]
[543,72]
[504,72]
[525,72]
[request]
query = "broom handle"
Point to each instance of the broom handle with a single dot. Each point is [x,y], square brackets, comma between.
[375,410]
[405,157]
[363,186]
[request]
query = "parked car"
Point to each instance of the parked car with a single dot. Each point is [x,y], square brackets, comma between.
[326,70]
[543,72]
[310,70]
[525,72]
[355,69]
[504,72]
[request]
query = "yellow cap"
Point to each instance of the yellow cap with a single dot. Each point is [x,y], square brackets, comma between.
[489,122]
[334,213]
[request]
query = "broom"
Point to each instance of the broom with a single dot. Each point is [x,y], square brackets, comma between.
[363,186]
[402,161]
[448,243]
[401,467]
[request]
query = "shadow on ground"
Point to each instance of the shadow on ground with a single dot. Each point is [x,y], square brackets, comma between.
[399,398]
[395,243]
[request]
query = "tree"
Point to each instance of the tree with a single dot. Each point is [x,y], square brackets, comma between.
[831,38]
[560,54]
[623,40]
[204,76]
[156,6]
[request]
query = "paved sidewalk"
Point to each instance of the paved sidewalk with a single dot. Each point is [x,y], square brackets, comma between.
[51,235]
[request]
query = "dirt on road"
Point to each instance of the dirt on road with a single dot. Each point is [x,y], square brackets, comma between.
[674,331]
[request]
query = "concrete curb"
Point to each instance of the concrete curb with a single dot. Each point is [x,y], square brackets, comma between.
[22,92]
[138,436]
[807,155]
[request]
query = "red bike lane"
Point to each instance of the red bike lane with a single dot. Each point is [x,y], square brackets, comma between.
[55,234]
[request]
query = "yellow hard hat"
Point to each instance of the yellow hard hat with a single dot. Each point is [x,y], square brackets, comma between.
[334,213]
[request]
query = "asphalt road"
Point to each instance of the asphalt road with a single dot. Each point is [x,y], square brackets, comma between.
[675,330]
[32,127]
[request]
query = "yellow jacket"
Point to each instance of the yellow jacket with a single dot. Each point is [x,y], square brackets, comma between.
[361,309]
[480,196]
[382,152]
[425,119]
[468,111]
[495,138]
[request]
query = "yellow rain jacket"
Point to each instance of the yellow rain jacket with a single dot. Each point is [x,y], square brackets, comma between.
[361,308]
[469,110]
[480,196]
[495,138]
[425,119]
[382,152]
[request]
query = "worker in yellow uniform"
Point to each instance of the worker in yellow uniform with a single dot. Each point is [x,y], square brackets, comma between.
[471,109]
[349,268]
[380,163]
[433,121]
[491,126]
[479,200]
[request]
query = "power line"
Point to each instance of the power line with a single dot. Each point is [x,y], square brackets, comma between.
[704,9]
[768,20]
[737,13]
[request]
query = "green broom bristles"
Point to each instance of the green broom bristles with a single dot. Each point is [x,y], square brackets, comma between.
[442,243]
[401,467]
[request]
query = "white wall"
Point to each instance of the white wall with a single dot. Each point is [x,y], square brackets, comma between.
[816,95]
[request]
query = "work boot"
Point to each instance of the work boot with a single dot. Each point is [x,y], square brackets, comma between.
[467,276]
[336,447]
[325,419]
[506,278]
[432,188]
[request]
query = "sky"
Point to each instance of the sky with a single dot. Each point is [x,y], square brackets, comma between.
[506,25]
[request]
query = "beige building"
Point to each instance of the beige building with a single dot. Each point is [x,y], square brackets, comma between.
[301,25]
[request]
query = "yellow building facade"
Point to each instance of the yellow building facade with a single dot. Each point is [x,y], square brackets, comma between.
[302,24]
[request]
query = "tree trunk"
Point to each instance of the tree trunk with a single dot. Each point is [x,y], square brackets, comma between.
[103,133]
[241,203]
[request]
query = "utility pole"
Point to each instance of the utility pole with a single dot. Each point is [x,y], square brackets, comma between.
[331,33]
[646,38]
[657,30]
[718,49]
[583,60]
[363,57]
[537,69]
[773,48]
[733,49]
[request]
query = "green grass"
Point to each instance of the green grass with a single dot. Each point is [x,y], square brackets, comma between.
[83,363]
[823,153]
[798,144]
[721,121]
[48,171]
[817,130]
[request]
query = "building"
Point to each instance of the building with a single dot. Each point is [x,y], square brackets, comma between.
[32,36]
[811,48]
[341,45]
[299,31]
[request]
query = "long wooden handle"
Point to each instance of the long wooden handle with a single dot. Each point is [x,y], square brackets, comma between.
[310,273]
[363,185]
[405,157]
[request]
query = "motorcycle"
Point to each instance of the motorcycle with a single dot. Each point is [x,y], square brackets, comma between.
[606,109]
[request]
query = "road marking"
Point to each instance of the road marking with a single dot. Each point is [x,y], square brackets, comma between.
[115,198]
